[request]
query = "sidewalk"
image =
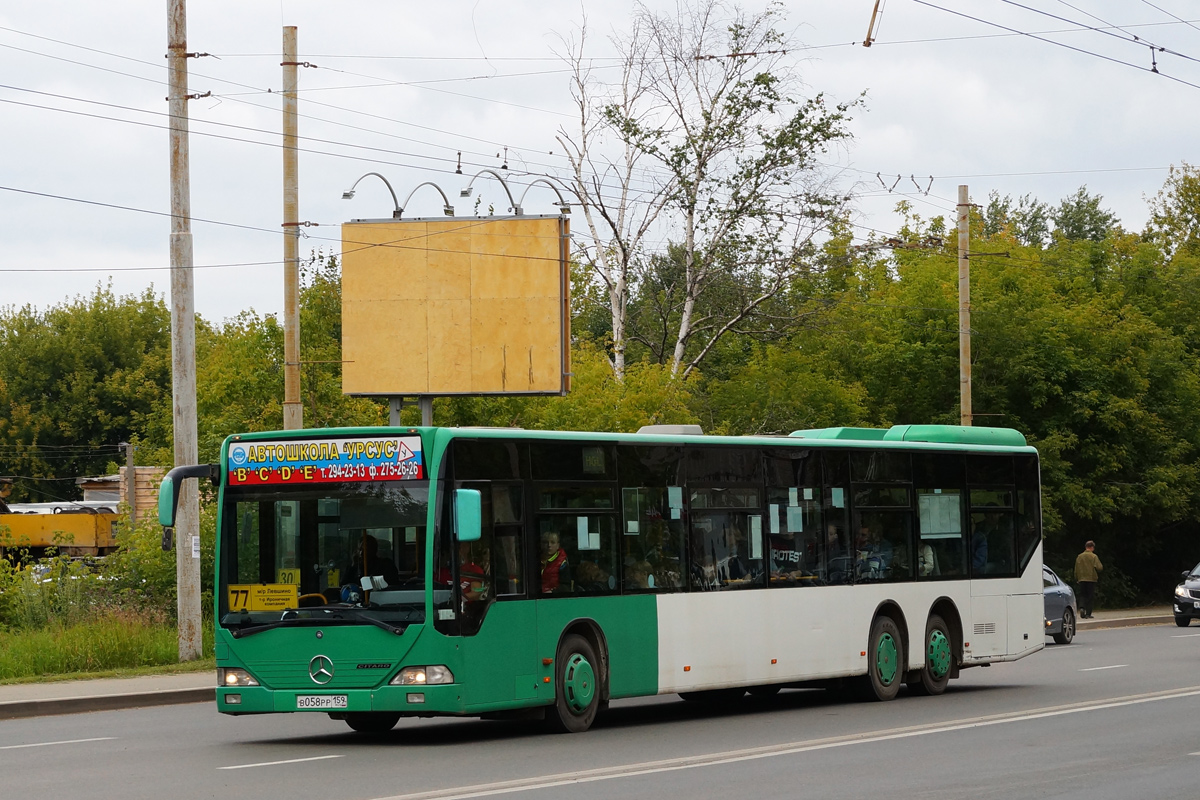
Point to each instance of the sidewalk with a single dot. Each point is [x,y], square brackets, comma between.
[1126,617]
[107,694]
[74,697]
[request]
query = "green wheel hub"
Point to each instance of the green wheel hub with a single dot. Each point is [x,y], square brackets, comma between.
[937,654]
[579,683]
[886,658]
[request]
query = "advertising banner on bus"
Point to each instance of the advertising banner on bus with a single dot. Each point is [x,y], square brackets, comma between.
[304,461]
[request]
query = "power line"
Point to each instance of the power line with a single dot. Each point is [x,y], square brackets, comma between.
[1129,37]
[1169,14]
[1059,44]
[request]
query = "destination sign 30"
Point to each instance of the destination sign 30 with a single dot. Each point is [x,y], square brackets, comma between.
[367,458]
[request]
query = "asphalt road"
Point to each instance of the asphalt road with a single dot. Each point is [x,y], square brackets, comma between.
[1112,716]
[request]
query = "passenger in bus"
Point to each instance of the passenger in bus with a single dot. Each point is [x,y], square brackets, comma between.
[979,544]
[926,560]
[840,565]
[873,551]
[591,577]
[555,567]
[376,565]
[639,575]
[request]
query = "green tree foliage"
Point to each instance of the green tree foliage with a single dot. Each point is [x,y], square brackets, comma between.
[1175,212]
[75,380]
[1079,217]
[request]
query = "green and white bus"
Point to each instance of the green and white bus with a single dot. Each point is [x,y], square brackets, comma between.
[377,573]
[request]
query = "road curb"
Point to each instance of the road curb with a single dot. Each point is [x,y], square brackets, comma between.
[1122,622]
[22,709]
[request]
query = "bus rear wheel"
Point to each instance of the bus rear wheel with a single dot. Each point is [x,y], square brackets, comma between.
[576,686]
[939,658]
[885,661]
[371,721]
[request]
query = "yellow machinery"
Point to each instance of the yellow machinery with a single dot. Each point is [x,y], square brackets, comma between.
[74,534]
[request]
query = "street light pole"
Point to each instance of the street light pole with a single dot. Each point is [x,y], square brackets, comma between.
[183,340]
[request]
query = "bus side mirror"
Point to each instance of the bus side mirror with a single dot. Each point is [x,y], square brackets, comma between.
[168,494]
[168,502]
[468,515]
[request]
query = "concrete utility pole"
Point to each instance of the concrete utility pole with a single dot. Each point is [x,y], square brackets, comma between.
[183,341]
[130,484]
[964,305]
[293,410]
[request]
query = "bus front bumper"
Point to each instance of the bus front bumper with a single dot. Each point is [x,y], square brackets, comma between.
[413,701]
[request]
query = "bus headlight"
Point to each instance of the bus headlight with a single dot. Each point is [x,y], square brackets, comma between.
[423,676]
[231,676]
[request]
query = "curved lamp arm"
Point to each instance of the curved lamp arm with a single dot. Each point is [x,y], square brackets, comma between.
[467,191]
[447,209]
[347,195]
[563,205]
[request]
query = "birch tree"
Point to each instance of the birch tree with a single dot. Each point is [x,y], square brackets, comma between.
[619,199]
[717,114]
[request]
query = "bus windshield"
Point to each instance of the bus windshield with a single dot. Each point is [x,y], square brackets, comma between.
[339,553]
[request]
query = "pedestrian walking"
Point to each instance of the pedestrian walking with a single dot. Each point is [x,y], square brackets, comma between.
[1087,573]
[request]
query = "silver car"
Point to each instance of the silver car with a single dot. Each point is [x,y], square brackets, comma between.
[1061,610]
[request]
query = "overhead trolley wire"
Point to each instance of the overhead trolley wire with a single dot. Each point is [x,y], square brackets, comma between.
[1058,44]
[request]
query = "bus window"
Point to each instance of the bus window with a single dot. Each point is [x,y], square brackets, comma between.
[882,516]
[795,535]
[508,529]
[576,540]
[653,519]
[653,540]
[725,500]
[1029,512]
[938,481]
[993,543]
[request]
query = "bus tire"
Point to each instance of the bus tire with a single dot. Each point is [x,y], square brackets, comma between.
[371,721]
[576,686]
[939,658]
[885,661]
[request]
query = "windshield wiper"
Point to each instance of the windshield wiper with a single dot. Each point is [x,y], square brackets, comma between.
[239,633]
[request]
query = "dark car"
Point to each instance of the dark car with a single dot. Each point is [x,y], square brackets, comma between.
[1061,610]
[1187,598]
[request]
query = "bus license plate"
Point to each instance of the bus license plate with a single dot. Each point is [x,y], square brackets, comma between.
[308,701]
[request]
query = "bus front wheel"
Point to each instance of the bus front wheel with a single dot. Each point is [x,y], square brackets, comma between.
[885,661]
[577,686]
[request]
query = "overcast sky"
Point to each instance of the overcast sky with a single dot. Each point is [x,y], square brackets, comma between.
[955,98]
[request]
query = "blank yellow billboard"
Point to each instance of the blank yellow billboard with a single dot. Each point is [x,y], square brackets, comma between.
[455,306]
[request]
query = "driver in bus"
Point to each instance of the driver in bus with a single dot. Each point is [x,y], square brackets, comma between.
[375,564]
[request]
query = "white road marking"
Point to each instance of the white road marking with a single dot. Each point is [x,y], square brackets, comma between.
[65,741]
[1110,666]
[274,763]
[1185,636]
[769,751]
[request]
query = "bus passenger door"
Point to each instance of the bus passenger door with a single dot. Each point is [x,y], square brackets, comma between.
[498,624]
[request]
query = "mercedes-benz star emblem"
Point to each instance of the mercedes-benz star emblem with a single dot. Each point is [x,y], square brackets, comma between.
[320,669]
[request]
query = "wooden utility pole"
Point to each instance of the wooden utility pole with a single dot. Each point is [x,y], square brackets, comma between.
[964,305]
[183,340]
[293,410]
[871,27]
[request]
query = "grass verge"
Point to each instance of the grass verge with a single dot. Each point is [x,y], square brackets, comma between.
[115,645]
